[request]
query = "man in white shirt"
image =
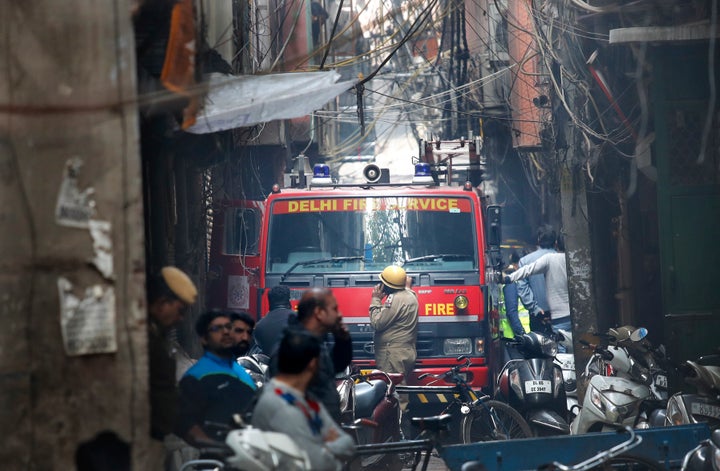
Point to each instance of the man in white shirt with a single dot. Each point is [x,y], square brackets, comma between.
[554,268]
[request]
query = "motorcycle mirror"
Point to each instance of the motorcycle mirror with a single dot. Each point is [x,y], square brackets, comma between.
[638,334]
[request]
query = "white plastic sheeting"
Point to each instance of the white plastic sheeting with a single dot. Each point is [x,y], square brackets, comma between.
[235,102]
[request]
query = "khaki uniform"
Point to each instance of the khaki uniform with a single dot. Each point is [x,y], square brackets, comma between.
[396,327]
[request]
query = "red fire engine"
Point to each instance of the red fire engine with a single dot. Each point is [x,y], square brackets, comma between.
[341,236]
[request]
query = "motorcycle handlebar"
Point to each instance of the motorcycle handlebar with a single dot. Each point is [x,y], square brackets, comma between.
[606,354]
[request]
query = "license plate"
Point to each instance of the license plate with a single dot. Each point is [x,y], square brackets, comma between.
[707,410]
[661,381]
[537,386]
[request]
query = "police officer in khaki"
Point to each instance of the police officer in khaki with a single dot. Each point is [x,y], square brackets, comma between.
[394,316]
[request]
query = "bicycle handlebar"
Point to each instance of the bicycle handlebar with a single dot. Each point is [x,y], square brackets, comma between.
[603,456]
[451,373]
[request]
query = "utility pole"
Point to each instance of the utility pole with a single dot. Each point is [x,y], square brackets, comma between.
[576,230]
[73,356]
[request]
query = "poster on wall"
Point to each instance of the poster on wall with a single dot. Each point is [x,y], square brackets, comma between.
[238,292]
[87,322]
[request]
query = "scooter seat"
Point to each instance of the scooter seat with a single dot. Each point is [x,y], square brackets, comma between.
[367,396]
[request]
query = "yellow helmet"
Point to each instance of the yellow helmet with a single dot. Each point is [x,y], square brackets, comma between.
[394,277]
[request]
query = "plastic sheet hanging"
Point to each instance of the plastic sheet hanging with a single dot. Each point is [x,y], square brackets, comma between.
[235,102]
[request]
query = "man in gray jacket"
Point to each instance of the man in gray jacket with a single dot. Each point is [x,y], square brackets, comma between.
[286,405]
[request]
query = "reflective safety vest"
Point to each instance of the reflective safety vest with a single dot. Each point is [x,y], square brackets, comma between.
[523,314]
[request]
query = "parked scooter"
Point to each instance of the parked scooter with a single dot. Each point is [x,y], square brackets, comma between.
[704,457]
[534,385]
[370,410]
[703,406]
[628,377]
[252,449]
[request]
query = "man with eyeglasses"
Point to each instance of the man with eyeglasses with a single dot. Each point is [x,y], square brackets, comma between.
[216,387]
[242,332]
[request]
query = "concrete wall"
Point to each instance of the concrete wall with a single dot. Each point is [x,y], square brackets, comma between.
[68,135]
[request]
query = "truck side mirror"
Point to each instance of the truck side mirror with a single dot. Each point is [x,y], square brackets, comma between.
[494,230]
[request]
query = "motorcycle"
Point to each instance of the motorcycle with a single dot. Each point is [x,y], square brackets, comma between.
[704,457]
[704,405]
[534,384]
[251,449]
[257,365]
[627,387]
[370,409]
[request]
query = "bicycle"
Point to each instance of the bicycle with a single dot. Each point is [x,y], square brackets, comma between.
[431,436]
[482,418]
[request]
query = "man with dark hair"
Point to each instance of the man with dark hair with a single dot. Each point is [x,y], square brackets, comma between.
[532,290]
[242,332]
[318,315]
[216,387]
[269,329]
[286,404]
[552,267]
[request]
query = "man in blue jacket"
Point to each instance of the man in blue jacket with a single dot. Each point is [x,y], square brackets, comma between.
[216,387]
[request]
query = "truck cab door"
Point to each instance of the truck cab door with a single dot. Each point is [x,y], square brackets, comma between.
[235,256]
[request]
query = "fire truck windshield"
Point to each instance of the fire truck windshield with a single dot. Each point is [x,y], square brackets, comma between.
[365,234]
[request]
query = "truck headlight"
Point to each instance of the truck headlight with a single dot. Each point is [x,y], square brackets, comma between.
[457,346]
[461,303]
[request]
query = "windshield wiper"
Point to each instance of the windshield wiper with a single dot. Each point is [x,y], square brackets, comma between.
[319,260]
[442,256]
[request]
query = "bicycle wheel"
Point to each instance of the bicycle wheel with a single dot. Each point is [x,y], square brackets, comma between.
[493,420]
[629,463]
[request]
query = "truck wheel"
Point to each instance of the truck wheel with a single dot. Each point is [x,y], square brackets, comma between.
[493,420]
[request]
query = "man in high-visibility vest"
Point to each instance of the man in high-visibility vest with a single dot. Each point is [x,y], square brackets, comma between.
[514,318]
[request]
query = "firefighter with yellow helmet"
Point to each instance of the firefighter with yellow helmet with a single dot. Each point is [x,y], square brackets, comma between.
[394,316]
